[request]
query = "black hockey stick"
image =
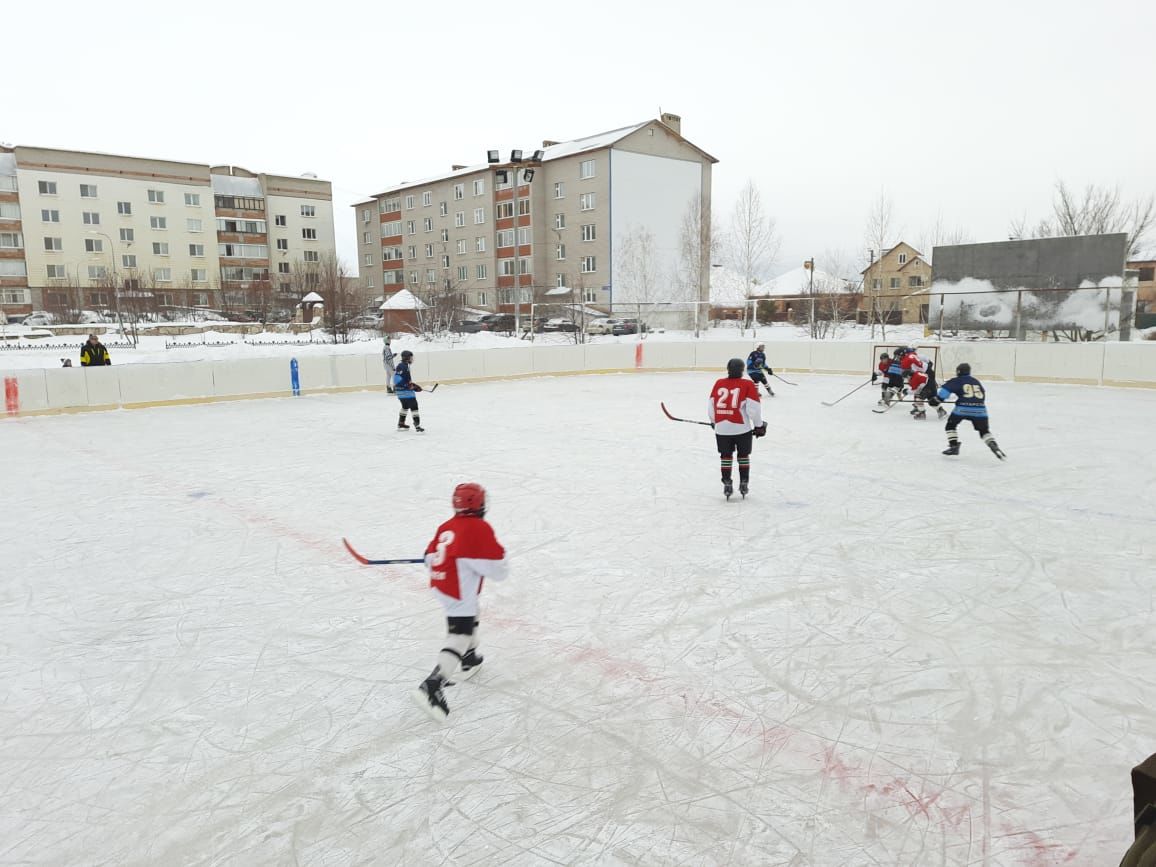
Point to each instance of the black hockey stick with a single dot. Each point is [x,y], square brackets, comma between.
[780,379]
[686,420]
[361,558]
[847,395]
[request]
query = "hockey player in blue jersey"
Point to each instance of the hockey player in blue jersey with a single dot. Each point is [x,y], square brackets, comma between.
[405,389]
[969,405]
[757,368]
[894,389]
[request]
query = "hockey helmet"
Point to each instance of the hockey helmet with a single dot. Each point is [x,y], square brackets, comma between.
[883,355]
[963,369]
[470,499]
[406,355]
[735,368]
[761,347]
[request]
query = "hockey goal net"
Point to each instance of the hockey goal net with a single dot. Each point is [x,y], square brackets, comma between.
[930,352]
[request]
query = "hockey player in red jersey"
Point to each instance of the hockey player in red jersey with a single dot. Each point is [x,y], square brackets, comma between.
[736,413]
[920,375]
[463,552]
[881,370]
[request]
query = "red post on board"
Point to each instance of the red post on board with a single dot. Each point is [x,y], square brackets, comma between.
[11,395]
[638,355]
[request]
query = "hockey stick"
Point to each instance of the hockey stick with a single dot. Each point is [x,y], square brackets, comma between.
[787,381]
[686,420]
[847,395]
[365,561]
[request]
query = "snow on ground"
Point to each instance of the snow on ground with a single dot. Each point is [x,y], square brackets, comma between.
[212,346]
[884,656]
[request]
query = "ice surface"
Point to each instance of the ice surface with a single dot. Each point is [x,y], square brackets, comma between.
[884,656]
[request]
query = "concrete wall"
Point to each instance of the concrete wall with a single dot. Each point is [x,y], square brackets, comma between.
[141,385]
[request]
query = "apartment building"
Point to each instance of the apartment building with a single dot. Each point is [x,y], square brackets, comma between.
[95,231]
[895,285]
[495,242]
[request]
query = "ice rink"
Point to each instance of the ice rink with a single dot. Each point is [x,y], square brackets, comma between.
[883,656]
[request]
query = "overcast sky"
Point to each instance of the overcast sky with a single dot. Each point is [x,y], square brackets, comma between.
[968,110]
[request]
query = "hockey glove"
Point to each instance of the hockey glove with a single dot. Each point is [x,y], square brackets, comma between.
[416,387]
[761,430]
[874,377]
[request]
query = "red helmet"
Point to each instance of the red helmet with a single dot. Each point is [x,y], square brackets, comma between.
[470,499]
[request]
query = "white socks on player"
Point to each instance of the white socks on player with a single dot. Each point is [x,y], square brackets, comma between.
[451,654]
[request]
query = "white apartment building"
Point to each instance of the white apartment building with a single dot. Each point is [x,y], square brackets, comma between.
[577,205]
[96,231]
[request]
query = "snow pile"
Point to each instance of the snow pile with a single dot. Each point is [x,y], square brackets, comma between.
[978,304]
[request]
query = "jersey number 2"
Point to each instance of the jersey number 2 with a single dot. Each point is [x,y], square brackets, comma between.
[725,396]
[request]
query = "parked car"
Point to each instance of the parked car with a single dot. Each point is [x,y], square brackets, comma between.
[365,320]
[38,317]
[627,326]
[469,326]
[559,324]
[501,322]
[600,325]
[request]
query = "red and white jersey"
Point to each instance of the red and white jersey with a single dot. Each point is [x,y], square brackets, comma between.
[463,552]
[883,365]
[735,407]
[915,363]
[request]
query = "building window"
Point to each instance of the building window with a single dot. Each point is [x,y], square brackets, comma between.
[309,234]
[282,267]
[283,244]
[426,199]
[197,251]
[365,237]
[479,216]
[463,272]
[586,201]
[876,284]
[560,254]
[559,221]
[431,275]
[590,295]
[902,258]
[482,298]
[308,211]
[914,281]
[505,238]
[388,206]
[445,261]
[391,229]
[413,277]
[480,244]
[368,258]
[163,275]
[480,187]
[158,222]
[199,275]
[93,245]
[523,236]
[410,227]
[45,216]
[97,272]
[1146,275]
[506,267]
[54,245]
[128,235]
[588,232]
[427,224]
[194,225]
[560,280]
[503,210]
[586,169]
[128,261]
[311,256]
[460,218]
[443,209]
[157,197]
[461,246]
[445,234]
[409,203]
[160,248]
[12,241]
[559,190]
[459,191]
[124,208]
[193,200]
[894,282]
[56,272]
[88,191]
[91,218]
[589,265]
[429,251]
[47,188]
[279,220]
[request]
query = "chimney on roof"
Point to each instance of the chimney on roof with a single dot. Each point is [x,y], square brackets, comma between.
[456,168]
[672,120]
[547,143]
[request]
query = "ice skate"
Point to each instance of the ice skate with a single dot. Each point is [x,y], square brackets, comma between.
[952,449]
[403,427]
[919,415]
[471,662]
[743,489]
[995,449]
[419,428]
[429,698]
[728,488]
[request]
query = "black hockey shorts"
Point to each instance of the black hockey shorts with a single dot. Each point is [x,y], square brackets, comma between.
[727,443]
[408,403]
[461,625]
[895,381]
[980,424]
[757,376]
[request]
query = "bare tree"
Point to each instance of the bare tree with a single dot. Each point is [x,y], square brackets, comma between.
[640,272]
[879,233]
[939,234]
[752,240]
[1096,211]
[698,247]
[342,296]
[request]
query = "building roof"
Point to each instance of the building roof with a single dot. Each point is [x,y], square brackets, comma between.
[312,298]
[555,152]
[403,299]
[798,282]
[888,251]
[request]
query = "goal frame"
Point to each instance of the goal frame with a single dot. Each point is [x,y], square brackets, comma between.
[931,350]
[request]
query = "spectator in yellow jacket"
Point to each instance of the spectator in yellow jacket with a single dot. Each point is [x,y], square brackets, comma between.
[93,353]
